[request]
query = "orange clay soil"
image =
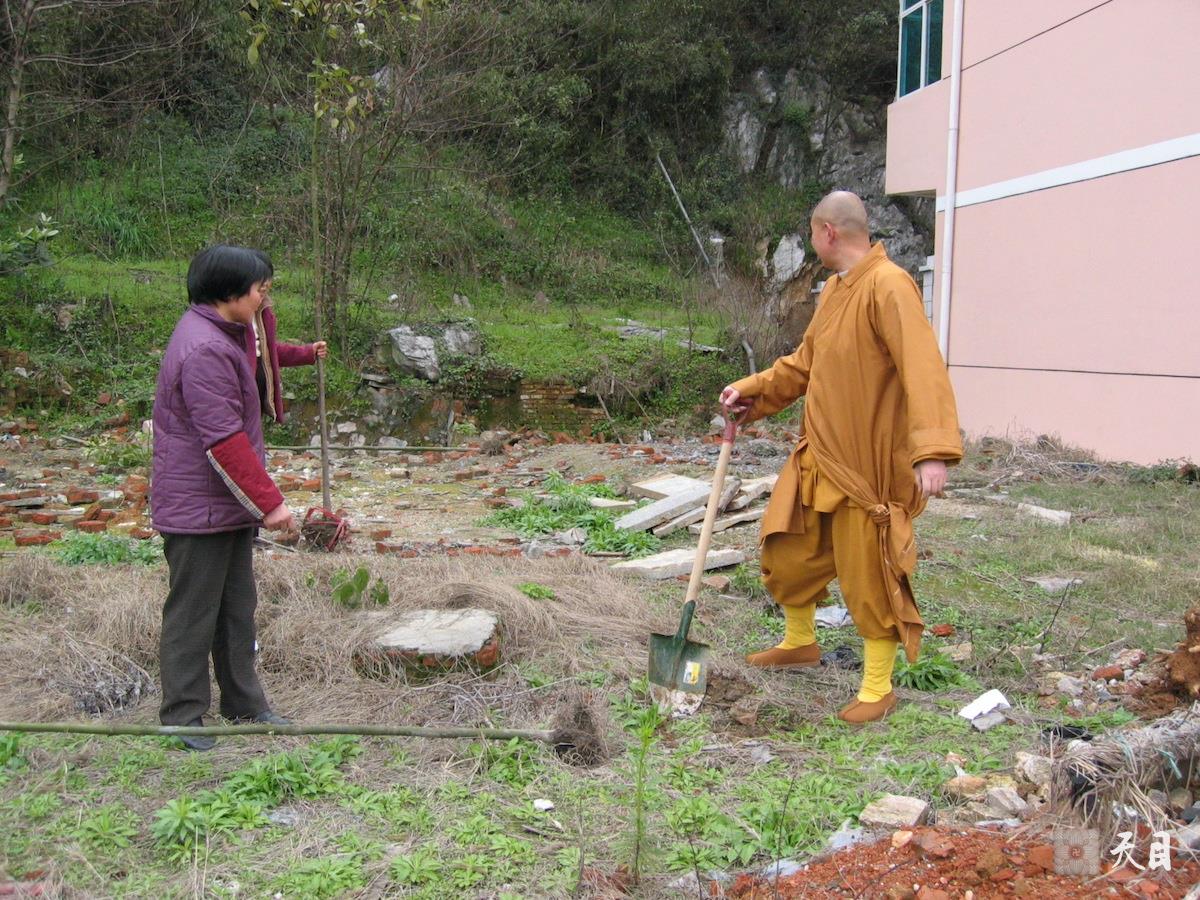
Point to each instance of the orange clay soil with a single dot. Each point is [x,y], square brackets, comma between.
[946,864]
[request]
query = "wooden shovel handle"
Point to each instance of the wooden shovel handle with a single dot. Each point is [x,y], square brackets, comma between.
[710,514]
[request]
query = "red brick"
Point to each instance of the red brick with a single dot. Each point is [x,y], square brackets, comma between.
[1106,673]
[35,538]
[1042,855]
[136,484]
[141,534]
[593,479]
[475,551]
[12,495]
[313,484]
[381,534]
[103,398]
[121,418]
[942,630]
[5,522]
[43,518]
[559,551]
[92,526]
[106,515]
[77,496]
[27,495]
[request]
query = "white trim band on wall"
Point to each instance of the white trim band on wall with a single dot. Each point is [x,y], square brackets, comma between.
[1114,163]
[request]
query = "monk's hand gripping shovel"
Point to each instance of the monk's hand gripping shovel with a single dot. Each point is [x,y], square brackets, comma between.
[679,667]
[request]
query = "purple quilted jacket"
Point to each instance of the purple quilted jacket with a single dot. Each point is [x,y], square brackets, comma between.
[206,392]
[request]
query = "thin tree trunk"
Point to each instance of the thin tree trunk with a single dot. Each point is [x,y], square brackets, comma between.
[12,105]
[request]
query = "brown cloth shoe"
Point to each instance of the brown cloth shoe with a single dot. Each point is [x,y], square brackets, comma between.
[858,713]
[800,658]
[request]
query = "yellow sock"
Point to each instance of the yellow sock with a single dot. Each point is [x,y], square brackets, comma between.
[800,627]
[879,658]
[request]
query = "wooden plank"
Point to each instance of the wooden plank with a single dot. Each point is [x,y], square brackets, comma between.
[750,515]
[663,510]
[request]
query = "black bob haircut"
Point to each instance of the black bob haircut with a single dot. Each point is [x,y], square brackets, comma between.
[223,272]
[262,254]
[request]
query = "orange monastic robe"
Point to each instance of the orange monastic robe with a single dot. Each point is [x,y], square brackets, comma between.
[878,402]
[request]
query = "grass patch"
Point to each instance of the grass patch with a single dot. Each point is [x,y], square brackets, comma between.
[563,506]
[78,548]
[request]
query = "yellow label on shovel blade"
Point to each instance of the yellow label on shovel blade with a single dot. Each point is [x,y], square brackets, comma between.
[691,673]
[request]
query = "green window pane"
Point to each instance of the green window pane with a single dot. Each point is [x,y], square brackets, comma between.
[910,51]
[933,42]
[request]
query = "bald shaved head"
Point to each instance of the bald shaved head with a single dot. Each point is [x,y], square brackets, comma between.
[844,211]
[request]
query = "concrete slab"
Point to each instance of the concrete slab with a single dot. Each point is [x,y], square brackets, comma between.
[678,562]
[1058,517]
[665,485]
[665,509]
[751,491]
[728,492]
[692,515]
[611,504]
[895,811]
[750,515]
[432,639]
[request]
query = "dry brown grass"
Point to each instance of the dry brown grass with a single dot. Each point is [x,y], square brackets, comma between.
[993,462]
[74,632]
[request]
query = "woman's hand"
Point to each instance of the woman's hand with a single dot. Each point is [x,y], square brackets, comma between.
[321,349]
[279,519]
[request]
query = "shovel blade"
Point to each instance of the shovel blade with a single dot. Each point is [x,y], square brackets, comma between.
[677,664]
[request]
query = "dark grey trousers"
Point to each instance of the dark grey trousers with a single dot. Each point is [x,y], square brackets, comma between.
[209,609]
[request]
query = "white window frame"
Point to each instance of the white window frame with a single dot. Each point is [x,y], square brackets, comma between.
[907,8]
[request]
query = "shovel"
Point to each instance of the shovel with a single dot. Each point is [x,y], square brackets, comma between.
[679,667]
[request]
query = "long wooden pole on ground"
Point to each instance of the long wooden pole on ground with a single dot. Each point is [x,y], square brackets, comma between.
[419,731]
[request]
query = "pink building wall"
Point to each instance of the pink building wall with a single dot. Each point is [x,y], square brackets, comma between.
[1069,312]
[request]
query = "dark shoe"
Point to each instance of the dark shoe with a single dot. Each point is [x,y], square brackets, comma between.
[776,658]
[266,717]
[197,742]
[858,713]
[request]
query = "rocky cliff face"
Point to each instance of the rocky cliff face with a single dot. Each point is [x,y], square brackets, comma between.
[798,132]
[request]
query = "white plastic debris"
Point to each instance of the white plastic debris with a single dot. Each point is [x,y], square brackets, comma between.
[833,616]
[985,703]
[542,805]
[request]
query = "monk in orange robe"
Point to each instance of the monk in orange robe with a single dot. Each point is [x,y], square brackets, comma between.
[879,429]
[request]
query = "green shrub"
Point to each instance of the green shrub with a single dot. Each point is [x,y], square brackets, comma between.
[79,548]
[931,672]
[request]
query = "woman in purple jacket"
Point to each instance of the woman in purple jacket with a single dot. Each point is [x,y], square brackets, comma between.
[268,356]
[209,490]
